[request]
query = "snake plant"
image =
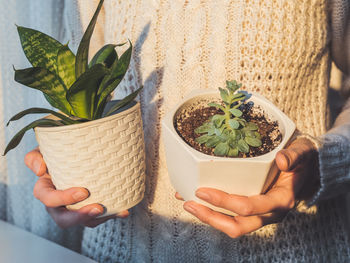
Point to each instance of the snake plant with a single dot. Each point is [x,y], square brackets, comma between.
[78,89]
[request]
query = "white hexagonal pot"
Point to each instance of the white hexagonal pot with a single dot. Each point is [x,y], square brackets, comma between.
[105,156]
[190,169]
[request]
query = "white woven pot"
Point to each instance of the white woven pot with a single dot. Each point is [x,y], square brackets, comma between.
[106,156]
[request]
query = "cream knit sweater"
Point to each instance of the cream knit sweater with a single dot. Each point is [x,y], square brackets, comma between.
[280,48]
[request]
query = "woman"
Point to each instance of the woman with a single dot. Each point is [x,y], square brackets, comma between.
[279,48]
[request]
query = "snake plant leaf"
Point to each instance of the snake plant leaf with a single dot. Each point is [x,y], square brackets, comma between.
[38,123]
[40,49]
[124,102]
[81,64]
[66,65]
[82,93]
[118,71]
[47,82]
[106,55]
[66,120]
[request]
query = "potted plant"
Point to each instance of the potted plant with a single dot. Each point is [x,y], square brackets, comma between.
[90,142]
[226,140]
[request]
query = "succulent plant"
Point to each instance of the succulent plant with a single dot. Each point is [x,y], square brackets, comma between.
[229,133]
[80,90]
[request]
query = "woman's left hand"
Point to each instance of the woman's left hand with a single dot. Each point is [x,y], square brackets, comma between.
[297,180]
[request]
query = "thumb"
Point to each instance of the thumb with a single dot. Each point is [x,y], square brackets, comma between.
[299,151]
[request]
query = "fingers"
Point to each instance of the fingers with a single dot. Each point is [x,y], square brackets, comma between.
[45,191]
[65,218]
[98,221]
[35,162]
[86,216]
[232,226]
[299,150]
[276,200]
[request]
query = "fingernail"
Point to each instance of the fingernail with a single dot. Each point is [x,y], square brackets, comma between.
[36,166]
[190,208]
[95,212]
[202,195]
[79,196]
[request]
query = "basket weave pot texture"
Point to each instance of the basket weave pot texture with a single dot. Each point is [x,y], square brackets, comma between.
[106,156]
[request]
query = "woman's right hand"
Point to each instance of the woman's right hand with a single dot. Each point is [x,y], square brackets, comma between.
[56,200]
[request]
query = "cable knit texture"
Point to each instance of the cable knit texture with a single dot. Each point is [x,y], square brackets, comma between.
[280,48]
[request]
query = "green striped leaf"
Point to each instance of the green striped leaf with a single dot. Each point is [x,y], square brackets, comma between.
[40,49]
[81,64]
[47,82]
[66,120]
[118,71]
[66,65]
[82,94]
[106,55]
[38,123]
[124,102]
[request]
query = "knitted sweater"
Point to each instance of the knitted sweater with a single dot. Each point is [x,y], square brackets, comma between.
[279,48]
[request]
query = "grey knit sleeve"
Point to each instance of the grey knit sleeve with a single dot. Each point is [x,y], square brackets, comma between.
[334,146]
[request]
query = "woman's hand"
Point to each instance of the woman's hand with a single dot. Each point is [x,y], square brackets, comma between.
[56,200]
[297,180]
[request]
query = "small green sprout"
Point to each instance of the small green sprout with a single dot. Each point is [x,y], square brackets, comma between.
[229,133]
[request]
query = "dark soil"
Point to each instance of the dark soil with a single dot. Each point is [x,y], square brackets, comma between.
[186,122]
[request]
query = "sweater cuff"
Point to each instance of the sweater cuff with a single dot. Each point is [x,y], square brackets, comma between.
[334,165]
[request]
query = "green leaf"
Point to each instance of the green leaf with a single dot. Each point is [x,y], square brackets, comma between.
[233,124]
[233,152]
[47,82]
[221,149]
[66,65]
[38,123]
[106,56]
[236,112]
[203,128]
[124,102]
[239,95]
[252,126]
[66,120]
[218,120]
[243,146]
[213,141]
[257,135]
[203,139]
[82,94]
[224,95]
[232,85]
[81,64]
[40,49]
[211,130]
[255,142]
[212,104]
[118,71]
